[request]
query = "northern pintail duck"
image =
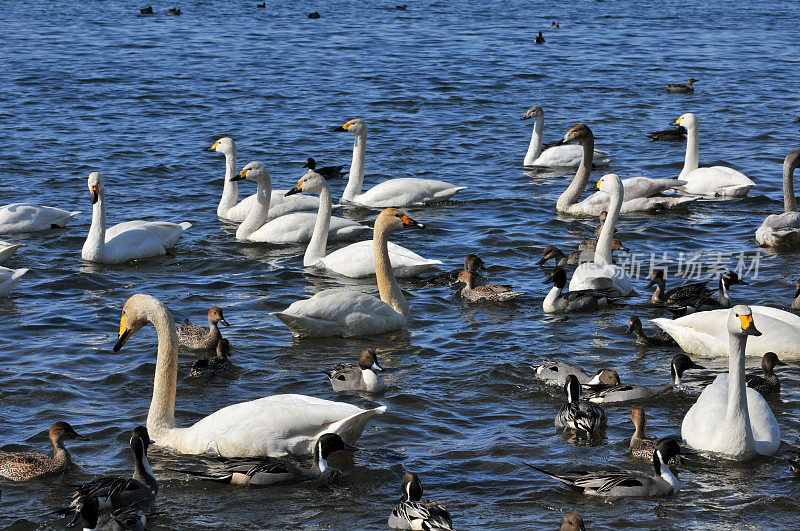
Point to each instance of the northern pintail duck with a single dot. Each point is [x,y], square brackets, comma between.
[676,134]
[7,250]
[704,303]
[197,337]
[576,257]
[87,508]
[676,296]
[680,88]
[485,292]
[571,521]
[601,219]
[315,14]
[263,471]
[591,245]
[554,24]
[579,414]
[472,263]
[627,483]
[23,466]
[415,513]
[554,372]
[216,366]
[262,5]
[539,38]
[658,339]
[352,377]
[769,382]
[574,301]
[328,172]
[642,446]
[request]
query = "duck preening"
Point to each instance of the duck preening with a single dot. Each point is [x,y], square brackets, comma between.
[579,414]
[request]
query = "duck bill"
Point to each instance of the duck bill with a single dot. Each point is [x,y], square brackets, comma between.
[797,293]
[697,366]
[629,330]
[376,367]
[305,165]
[650,284]
[409,223]
[223,321]
[542,261]
[293,191]
[748,327]
[124,334]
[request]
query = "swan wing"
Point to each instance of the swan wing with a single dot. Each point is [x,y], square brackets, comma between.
[140,239]
[656,204]
[357,261]
[689,339]
[407,191]
[766,431]
[7,250]
[297,227]
[240,211]
[280,205]
[592,276]
[21,217]
[8,278]
[780,230]
[717,181]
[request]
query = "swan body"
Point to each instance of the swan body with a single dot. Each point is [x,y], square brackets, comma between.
[561,156]
[9,278]
[20,217]
[717,181]
[7,250]
[783,230]
[401,192]
[125,241]
[274,425]
[348,313]
[295,227]
[728,417]
[356,260]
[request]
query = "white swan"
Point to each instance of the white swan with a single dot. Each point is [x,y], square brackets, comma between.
[21,217]
[729,418]
[356,260]
[9,277]
[7,250]
[401,192]
[705,334]
[718,181]
[347,313]
[295,227]
[601,273]
[561,156]
[274,425]
[125,241]
[232,209]
[637,190]
[783,230]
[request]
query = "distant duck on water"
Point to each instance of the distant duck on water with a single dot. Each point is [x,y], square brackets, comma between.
[315,14]
[680,88]
[539,38]
[174,11]
[218,365]
[147,10]
[675,134]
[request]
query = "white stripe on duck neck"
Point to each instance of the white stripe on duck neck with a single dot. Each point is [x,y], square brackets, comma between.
[321,463]
[665,473]
[552,296]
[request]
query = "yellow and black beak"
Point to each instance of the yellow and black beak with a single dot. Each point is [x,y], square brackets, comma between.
[296,190]
[124,334]
[95,194]
[344,127]
[676,122]
[242,175]
[212,148]
[748,327]
[599,183]
[409,223]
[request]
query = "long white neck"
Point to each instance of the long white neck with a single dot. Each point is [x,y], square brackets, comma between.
[354,183]
[258,214]
[789,201]
[319,238]
[162,408]
[578,185]
[387,285]
[95,245]
[669,477]
[738,431]
[692,159]
[230,189]
[549,302]
[603,249]
[535,147]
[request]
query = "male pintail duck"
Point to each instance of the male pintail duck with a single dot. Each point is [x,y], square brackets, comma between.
[328,172]
[658,339]
[676,296]
[415,513]
[215,366]
[680,88]
[352,377]
[87,508]
[197,337]
[701,303]
[554,372]
[485,292]
[263,471]
[628,483]
[23,466]
[570,520]
[579,414]
[539,38]
[674,134]
[574,301]
[769,382]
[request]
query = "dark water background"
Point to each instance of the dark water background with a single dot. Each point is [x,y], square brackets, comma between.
[94,86]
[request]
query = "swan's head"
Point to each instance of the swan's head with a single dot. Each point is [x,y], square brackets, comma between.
[357,127]
[792,160]
[578,133]
[609,183]
[534,112]
[96,186]
[394,219]
[740,321]
[687,121]
[224,145]
[312,183]
[254,171]
[135,316]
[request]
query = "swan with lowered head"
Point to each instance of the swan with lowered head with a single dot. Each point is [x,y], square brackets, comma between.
[356,260]
[21,217]
[601,273]
[559,156]
[274,425]
[637,190]
[9,278]
[783,230]
[7,250]
[402,192]
[348,313]
[294,227]
[729,418]
[232,209]
[125,241]
[718,181]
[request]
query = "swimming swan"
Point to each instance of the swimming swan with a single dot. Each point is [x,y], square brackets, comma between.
[295,227]
[718,181]
[274,425]
[21,217]
[601,273]
[783,230]
[356,260]
[400,192]
[728,417]
[232,209]
[637,190]
[348,313]
[560,156]
[125,241]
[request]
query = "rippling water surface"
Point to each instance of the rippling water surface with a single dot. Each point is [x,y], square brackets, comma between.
[94,86]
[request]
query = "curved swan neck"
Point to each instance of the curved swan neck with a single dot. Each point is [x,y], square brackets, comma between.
[603,249]
[356,180]
[789,201]
[387,285]
[230,189]
[162,407]
[319,239]
[258,214]
[96,239]
[737,418]
[692,159]
[535,147]
[578,185]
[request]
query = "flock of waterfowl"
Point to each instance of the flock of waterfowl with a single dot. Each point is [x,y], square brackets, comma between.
[253,440]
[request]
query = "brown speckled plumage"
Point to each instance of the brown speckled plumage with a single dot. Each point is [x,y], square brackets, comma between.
[24,466]
[199,337]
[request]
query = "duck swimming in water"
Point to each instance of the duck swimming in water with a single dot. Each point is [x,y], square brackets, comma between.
[579,414]
[539,39]
[658,339]
[197,337]
[485,292]
[352,377]
[769,382]
[217,366]
[680,88]
[328,172]
[415,513]
[24,466]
